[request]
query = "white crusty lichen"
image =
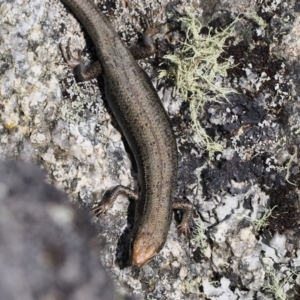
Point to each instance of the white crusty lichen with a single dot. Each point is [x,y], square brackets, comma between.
[74,111]
[198,73]
[269,5]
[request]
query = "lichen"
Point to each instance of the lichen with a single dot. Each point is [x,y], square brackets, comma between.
[199,236]
[264,220]
[257,19]
[277,285]
[191,286]
[198,72]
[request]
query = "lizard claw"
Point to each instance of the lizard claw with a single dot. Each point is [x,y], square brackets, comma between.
[99,209]
[70,59]
[184,229]
[84,71]
[148,24]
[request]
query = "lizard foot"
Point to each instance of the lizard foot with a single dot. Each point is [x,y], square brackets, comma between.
[110,197]
[84,71]
[99,209]
[147,29]
[187,210]
[184,229]
[70,59]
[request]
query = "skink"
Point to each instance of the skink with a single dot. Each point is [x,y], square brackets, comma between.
[147,129]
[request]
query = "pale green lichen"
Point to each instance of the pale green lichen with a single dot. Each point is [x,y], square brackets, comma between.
[257,19]
[197,72]
[289,165]
[264,220]
[199,236]
[276,284]
[73,112]
[191,286]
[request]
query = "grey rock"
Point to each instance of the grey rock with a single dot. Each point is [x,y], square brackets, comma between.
[46,243]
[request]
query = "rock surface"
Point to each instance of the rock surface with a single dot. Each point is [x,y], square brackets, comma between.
[49,119]
[48,248]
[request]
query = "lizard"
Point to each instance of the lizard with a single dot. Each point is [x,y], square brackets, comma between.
[145,125]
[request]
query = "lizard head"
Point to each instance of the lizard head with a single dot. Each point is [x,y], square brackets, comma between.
[144,248]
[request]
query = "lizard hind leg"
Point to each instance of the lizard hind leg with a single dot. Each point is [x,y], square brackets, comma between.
[187,214]
[110,197]
[84,71]
[148,46]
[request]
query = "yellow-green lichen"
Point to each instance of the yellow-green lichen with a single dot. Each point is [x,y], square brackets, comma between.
[276,283]
[74,111]
[199,236]
[288,166]
[257,19]
[264,220]
[197,72]
[192,286]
